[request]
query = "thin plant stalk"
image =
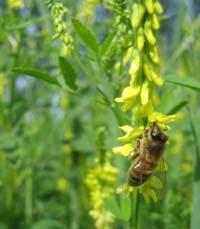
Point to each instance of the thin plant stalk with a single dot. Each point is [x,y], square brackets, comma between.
[134,221]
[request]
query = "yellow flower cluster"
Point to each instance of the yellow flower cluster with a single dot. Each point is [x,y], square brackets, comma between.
[140,95]
[15,4]
[132,133]
[100,182]
[88,10]
[144,67]
[58,12]
[62,185]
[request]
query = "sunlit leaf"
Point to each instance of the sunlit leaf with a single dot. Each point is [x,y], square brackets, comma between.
[68,73]
[184,82]
[36,74]
[104,47]
[86,36]
[177,107]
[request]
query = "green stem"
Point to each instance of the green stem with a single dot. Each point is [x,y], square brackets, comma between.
[137,208]
[134,221]
[28,197]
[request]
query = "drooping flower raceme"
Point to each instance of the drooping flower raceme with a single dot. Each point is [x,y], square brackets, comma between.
[140,95]
[58,12]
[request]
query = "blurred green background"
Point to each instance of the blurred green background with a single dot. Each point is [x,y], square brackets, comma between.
[48,135]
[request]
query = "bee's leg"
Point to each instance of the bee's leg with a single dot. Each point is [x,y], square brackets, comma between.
[133,155]
[138,143]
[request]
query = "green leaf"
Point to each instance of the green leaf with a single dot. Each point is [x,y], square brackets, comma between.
[125,207]
[68,73]
[184,82]
[104,47]
[36,74]
[177,107]
[86,36]
[112,206]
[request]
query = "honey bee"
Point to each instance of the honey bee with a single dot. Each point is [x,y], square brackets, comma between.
[149,151]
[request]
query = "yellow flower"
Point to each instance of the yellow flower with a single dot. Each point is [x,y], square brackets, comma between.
[100,181]
[62,185]
[144,93]
[129,96]
[132,134]
[124,150]
[140,39]
[157,7]
[143,110]
[148,190]
[149,33]
[161,119]
[149,6]
[69,135]
[135,64]
[15,4]
[137,14]
[88,10]
[67,148]
[155,22]
[154,97]
[154,54]
[147,70]
[156,79]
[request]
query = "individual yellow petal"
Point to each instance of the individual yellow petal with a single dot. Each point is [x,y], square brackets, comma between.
[128,56]
[147,70]
[119,100]
[154,54]
[126,128]
[129,104]
[140,39]
[149,6]
[129,95]
[144,93]
[132,135]
[143,110]
[156,182]
[155,22]
[154,97]
[135,64]
[137,14]
[123,150]
[149,33]
[130,92]
[153,195]
[161,118]
[156,79]
[157,7]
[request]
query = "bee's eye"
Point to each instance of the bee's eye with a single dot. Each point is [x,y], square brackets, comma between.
[155,135]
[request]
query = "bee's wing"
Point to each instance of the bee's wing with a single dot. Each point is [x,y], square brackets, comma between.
[161,175]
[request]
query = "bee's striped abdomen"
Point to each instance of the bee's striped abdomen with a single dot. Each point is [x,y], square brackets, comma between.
[140,172]
[134,180]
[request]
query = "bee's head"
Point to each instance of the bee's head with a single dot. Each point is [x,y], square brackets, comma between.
[156,134]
